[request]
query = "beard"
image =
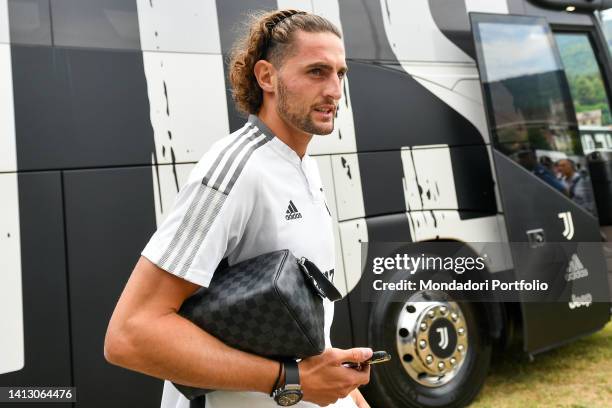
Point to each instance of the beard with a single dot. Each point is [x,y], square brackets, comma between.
[290,112]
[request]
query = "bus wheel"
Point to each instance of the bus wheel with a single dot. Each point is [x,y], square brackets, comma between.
[440,351]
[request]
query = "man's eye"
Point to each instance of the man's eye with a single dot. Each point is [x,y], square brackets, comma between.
[341,75]
[316,71]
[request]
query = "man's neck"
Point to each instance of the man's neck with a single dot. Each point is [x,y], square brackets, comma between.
[292,137]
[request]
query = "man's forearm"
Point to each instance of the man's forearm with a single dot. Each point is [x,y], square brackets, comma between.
[359,399]
[170,347]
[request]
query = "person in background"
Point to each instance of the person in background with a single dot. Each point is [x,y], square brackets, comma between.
[579,185]
[527,159]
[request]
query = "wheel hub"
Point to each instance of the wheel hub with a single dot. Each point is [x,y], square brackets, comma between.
[432,340]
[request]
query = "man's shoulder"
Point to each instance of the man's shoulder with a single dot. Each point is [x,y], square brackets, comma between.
[233,157]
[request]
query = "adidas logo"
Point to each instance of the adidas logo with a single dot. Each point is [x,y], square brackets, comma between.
[575,269]
[292,212]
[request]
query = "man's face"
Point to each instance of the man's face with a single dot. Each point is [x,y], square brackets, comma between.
[565,167]
[309,83]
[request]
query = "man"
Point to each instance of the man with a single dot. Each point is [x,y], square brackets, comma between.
[579,185]
[254,192]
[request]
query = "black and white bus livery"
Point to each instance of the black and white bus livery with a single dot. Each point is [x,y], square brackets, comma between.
[453,116]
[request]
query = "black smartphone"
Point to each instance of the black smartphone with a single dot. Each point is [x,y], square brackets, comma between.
[377,357]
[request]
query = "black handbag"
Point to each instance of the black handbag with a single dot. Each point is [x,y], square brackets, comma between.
[270,305]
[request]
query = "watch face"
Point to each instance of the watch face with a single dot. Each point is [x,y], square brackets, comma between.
[287,398]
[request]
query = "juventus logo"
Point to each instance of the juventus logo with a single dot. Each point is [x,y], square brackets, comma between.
[568,224]
[443,332]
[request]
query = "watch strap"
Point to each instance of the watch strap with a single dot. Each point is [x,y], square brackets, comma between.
[292,372]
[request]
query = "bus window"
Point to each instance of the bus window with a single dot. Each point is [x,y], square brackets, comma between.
[588,90]
[530,110]
[606,23]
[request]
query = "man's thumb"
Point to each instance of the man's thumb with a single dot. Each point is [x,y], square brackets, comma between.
[355,355]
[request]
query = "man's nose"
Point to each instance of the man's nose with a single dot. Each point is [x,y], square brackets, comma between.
[334,88]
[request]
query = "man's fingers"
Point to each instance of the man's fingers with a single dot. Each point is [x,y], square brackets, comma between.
[354,355]
[365,375]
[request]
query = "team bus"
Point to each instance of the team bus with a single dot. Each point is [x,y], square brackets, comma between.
[456,119]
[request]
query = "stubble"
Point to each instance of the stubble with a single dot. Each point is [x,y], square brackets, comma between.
[297,116]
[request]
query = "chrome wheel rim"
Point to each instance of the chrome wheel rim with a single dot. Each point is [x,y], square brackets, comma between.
[432,340]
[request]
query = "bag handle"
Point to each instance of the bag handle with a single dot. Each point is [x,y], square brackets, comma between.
[321,284]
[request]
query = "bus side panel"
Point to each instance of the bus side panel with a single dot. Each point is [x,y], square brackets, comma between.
[45,294]
[109,218]
[531,204]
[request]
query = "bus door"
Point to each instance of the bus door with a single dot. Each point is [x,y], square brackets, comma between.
[542,175]
[586,61]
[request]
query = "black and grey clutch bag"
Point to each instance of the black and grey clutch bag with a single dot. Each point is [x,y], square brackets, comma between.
[270,305]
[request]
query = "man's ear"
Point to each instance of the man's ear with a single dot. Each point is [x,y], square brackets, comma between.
[265,74]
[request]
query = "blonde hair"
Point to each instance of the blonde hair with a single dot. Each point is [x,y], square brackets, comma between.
[269,36]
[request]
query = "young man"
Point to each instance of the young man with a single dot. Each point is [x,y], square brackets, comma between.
[254,192]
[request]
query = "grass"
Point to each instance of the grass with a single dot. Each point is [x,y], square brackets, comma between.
[578,375]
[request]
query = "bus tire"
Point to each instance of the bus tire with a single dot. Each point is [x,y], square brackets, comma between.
[398,383]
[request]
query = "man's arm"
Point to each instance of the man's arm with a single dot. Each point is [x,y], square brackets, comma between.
[359,399]
[146,334]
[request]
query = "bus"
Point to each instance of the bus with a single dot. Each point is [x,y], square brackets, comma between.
[457,123]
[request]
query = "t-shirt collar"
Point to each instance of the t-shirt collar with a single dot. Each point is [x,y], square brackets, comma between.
[277,144]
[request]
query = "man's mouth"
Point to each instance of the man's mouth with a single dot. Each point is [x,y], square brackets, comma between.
[330,109]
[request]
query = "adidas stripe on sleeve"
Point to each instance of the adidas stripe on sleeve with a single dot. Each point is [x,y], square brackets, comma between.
[210,212]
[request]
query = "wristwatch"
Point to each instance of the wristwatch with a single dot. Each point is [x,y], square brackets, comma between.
[291,392]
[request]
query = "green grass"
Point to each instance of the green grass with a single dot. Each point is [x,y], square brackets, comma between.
[578,375]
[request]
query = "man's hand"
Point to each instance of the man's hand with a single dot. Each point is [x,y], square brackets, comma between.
[324,379]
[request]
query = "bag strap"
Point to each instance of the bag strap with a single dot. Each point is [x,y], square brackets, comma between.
[321,283]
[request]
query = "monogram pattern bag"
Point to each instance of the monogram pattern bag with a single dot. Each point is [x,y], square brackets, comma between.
[270,305]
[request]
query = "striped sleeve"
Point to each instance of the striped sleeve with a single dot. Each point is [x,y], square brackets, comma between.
[210,214]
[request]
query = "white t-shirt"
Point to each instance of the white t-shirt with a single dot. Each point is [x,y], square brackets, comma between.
[249,194]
